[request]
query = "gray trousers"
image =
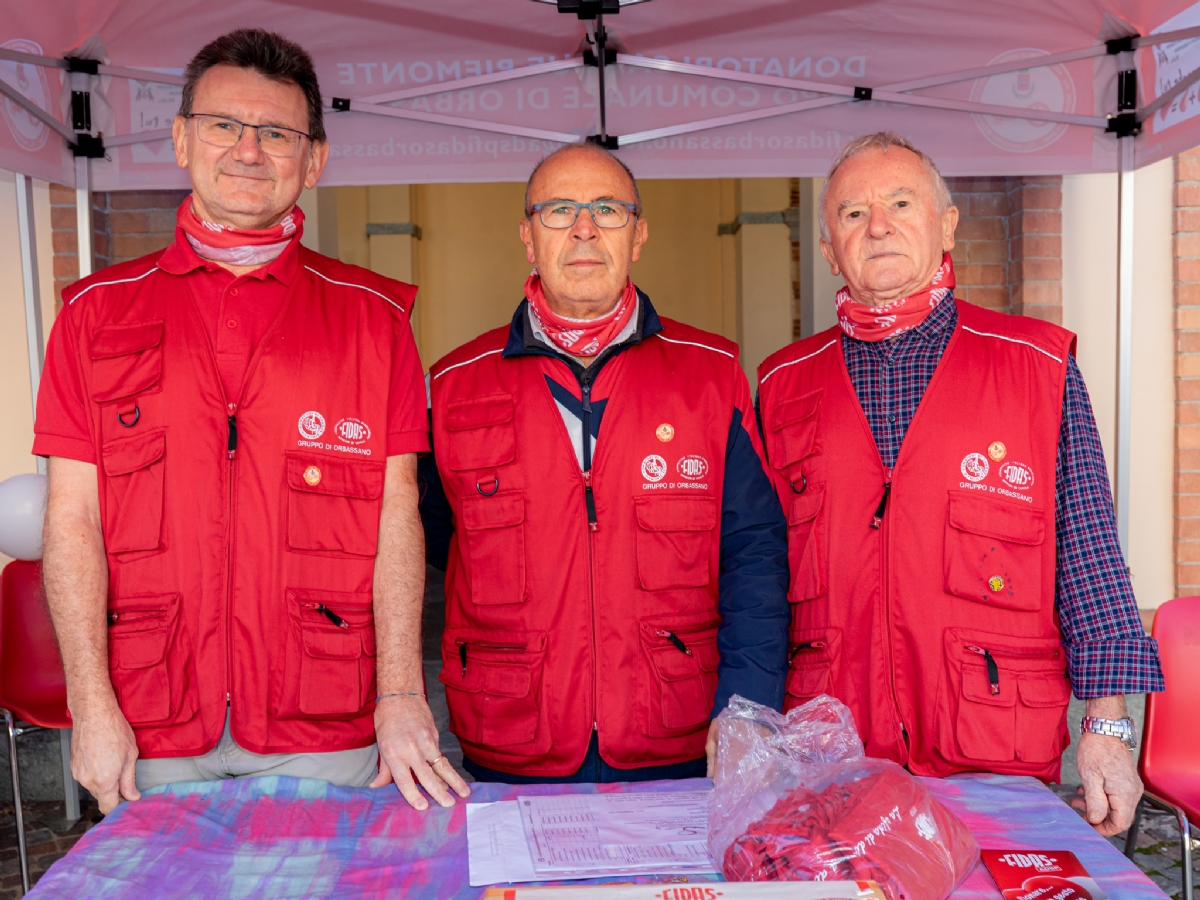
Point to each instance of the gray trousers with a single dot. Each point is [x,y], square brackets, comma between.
[350,768]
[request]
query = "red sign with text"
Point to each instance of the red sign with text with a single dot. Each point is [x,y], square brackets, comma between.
[1041,875]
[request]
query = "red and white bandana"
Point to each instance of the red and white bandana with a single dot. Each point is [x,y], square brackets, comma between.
[878,323]
[238,246]
[580,337]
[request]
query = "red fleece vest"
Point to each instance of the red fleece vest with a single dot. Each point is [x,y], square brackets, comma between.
[937,628]
[222,563]
[554,626]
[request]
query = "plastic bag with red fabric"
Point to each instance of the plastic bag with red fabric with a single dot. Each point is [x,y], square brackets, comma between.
[795,799]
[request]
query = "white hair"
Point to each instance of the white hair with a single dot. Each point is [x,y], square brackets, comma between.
[883,141]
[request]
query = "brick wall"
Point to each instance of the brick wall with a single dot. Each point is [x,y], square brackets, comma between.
[1008,250]
[125,225]
[1187,373]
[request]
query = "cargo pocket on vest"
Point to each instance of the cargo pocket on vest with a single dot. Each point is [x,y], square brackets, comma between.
[811,659]
[126,360]
[993,552]
[481,432]
[674,541]
[333,504]
[493,684]
[1006,699]
[807,544]
[133,492]
[329,659]
[494,533]
[680,673]
[150,660]
[794,432]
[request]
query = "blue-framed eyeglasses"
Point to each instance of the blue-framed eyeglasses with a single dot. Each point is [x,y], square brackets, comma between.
[605,213]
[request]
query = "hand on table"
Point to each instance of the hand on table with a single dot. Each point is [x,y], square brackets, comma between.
[408,744]
[710,748]
[104,755]
[1111,787]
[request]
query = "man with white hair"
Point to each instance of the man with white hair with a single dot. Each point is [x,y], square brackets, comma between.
[953,549]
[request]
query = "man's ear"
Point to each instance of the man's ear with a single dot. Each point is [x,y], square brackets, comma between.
[949,223]
[179,139]
[827,252]
[525,228]
[318,156]
[641,232]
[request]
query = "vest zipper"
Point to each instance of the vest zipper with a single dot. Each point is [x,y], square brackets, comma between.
[589,500]
[807,645]
[462,650]
[885,534]
[877,519]
[675,640]
[231,440]
[134,615]
[332,616]
[589,497]
[231,445]
[993,670]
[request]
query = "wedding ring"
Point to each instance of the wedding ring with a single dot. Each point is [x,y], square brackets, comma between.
[434,762]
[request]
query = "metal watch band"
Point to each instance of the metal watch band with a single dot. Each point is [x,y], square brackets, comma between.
[1123,728]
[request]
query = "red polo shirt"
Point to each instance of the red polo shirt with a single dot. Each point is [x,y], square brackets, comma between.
[236,312]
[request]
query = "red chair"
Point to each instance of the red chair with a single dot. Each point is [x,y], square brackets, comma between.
[32,687]
[1170,759]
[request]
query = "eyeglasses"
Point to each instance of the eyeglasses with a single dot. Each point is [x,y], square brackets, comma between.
[222,131]
[564,213]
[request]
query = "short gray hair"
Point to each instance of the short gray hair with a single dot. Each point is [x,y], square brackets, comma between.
[590,147]
[883,141]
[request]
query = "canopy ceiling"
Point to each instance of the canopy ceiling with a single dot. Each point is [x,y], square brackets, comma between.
[455,123]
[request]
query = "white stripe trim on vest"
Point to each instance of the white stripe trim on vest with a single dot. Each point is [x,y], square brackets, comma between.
[106,283]
[794,361]
[467,362]
[360,286]
[694,344]
[1014,341]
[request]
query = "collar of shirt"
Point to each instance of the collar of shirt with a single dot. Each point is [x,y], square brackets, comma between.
[936,329]
[181,259]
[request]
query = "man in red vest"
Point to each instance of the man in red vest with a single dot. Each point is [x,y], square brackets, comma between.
[615,558]
[955,566]
[233,555]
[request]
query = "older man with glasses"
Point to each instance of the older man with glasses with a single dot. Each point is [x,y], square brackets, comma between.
[233,555]
[616,562]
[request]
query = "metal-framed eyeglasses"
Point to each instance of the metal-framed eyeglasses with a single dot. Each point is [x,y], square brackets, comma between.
[223,131]
[564,213]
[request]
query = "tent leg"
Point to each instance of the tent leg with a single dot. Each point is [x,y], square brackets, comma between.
[83,213]
[1124,335]
[29,279]
[70,785]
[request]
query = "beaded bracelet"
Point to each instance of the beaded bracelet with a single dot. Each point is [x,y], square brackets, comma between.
[401,694]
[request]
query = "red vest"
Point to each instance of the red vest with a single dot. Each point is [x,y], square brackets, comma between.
[937,628]
[553,627]
[222,560]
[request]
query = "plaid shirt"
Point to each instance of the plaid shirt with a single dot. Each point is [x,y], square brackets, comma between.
[1108,651]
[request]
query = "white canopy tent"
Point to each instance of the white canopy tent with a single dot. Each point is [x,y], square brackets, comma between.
[478,90]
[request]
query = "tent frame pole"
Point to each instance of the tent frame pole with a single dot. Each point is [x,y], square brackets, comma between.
[1125,223]
[32,290]
[83,213]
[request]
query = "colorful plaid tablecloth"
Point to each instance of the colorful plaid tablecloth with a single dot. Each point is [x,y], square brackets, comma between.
[285,837]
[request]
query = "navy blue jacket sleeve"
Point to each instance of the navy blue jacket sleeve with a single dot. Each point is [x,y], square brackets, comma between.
[753,637]
[436,515]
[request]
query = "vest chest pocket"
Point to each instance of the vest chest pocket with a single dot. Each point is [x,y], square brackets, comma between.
[333,504]
[481,433]
[674,541]
[794,434]
[133,492]
[150,660]
[993,552]
[680,674]
[493,684]
[813,656]
[1005,699]
[807,543]
[494,533]
[329,658]
[126,360]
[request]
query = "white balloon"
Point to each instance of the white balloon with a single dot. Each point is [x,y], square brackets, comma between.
[22,508]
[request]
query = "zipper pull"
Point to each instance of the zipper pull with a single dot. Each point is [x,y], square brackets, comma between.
[332,616]
[589,499]
[877,519]
[112,618]
[674,639]
[807,645]
[586,390]
[462,656]
[993,670]
[231,444]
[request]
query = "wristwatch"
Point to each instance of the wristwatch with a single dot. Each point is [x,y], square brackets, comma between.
[1118,728]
